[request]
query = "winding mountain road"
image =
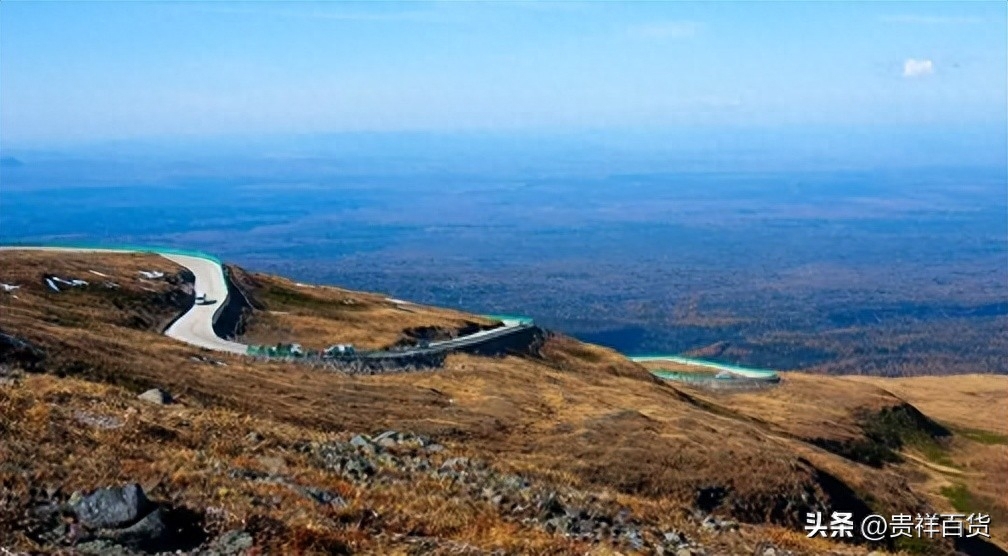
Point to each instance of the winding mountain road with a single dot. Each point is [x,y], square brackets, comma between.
[196,326]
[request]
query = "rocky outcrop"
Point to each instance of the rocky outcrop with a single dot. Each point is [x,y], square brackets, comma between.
[112,507]
[156,396]
[117,520]
[393,456]
[16,352]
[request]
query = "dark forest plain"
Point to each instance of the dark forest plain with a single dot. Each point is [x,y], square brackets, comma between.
[796,254]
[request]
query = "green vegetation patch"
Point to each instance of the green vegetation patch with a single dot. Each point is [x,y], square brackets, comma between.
[914,545]
[983,436]
[903,425]
[279,298]
[888,430]
[861,450]
[960,497]
[933,452]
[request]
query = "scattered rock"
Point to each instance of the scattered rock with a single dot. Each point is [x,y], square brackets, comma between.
[273,464]
[146,532]
[9,376]
[156,396]
[455,463]
[97,421]
[231,543]
[207,360]
[634,539]
[122,520]
[391,457]
[324,497]
[102,547]
[247,474]
[112,507]
[21,353]
[717,525]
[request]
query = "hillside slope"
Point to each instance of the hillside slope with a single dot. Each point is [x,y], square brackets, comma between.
[570,448]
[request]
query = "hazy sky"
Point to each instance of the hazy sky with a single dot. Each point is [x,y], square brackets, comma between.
[75,71]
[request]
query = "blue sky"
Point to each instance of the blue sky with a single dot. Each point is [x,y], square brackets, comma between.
[77,72]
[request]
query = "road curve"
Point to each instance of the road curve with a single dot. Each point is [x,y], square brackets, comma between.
[195,327]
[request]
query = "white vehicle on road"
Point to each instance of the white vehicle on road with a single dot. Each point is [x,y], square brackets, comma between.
[202,299]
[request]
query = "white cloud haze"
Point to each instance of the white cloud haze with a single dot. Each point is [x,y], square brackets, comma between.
[917,68]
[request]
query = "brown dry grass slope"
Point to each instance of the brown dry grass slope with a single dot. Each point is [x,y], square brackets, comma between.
[576,420]
[968,473]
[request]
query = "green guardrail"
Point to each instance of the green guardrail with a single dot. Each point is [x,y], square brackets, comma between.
[518,318]
[682,376]
[124,248]
[281,350]
[736,371]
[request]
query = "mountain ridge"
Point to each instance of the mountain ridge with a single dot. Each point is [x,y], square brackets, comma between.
[727,473]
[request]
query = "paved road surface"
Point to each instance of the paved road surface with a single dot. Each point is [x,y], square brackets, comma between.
[196,325]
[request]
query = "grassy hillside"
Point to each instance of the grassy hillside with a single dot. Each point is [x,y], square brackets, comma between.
[572,449]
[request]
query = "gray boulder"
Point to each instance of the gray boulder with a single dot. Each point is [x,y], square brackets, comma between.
[147,532]
[113,508]
[322,496]
[156,396]
[360,441]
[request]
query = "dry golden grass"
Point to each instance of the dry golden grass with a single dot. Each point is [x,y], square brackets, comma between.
[971,401]
[320,316]
[811,406]
[28,267]
[677,367]
[579,416]
[975,407]
[182,455]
